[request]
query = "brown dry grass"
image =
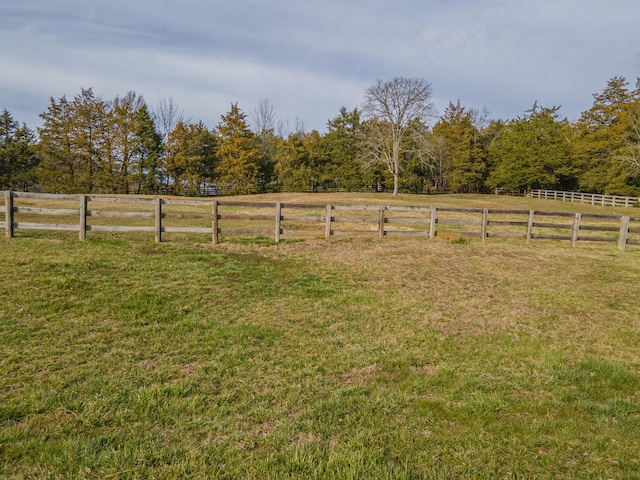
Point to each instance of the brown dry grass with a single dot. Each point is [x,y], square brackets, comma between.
[548,291]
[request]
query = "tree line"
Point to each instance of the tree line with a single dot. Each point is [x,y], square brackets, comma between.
[393,142]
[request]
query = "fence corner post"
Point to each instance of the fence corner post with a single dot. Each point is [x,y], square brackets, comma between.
[327,226]
[432,223]
[158,218]
[381,221]
[82,233]
[529,234]
[485,222]
[575,230]
[278,220]
[214,222]
[624,233]
[8,213]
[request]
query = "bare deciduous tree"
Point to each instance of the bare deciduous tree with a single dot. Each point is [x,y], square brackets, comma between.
[166,116]
[395,109]
[439,163]
[264,118]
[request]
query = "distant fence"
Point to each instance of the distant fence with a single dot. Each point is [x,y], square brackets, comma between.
[169,216]
[588,198]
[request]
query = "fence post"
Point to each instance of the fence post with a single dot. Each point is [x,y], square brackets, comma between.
[485,221]
[327,226]
[381,221]
[8,213]
[278,219]
[158,219]
[576,229]
[214,222]
[624,232]
[530,226]
[432,224]
[82,234]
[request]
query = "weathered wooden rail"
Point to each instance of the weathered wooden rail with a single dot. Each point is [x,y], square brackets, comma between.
[163,216]
[587,198]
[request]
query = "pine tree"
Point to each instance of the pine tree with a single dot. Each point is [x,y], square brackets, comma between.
[301,162]
[341,145]
[121,165]
[238,154]
[147,176]
[466,155]
[292,164]
[190,158]
[17,155]
[533,152]
[601,135]
[73,143]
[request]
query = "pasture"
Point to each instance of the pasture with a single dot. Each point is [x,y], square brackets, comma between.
[398,358]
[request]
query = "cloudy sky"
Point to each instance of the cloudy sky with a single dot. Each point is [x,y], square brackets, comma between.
[310,57]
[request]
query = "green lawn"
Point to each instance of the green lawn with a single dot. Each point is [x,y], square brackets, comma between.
[346,359]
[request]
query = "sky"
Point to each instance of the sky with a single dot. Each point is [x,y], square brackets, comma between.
[309,58]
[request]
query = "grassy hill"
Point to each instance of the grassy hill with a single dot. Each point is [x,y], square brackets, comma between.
[347,358]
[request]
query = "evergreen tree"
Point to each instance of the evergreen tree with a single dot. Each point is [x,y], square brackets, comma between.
[268,145]
[344,169]
[292,164]
[602,134]
[417,165]
[190,158]
[301,163]
[464,149]
[148,175]
[317,160]
[120,169]
[89,145]
[73,143]
[239,154]
[17,155]
[533,152]
[265,123]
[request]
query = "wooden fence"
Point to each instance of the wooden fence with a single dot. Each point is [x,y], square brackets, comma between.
[588,198]
[165,216]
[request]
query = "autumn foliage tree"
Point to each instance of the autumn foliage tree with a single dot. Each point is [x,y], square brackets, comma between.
[239,154]
[602,135]
[73,143]
[87,144]
[190,158]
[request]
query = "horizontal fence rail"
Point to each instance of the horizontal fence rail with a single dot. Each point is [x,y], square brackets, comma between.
[278,220]
[587,198]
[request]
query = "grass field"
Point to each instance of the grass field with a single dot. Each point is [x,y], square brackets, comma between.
[356,358]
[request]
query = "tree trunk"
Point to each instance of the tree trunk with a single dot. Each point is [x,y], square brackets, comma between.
[396,175]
